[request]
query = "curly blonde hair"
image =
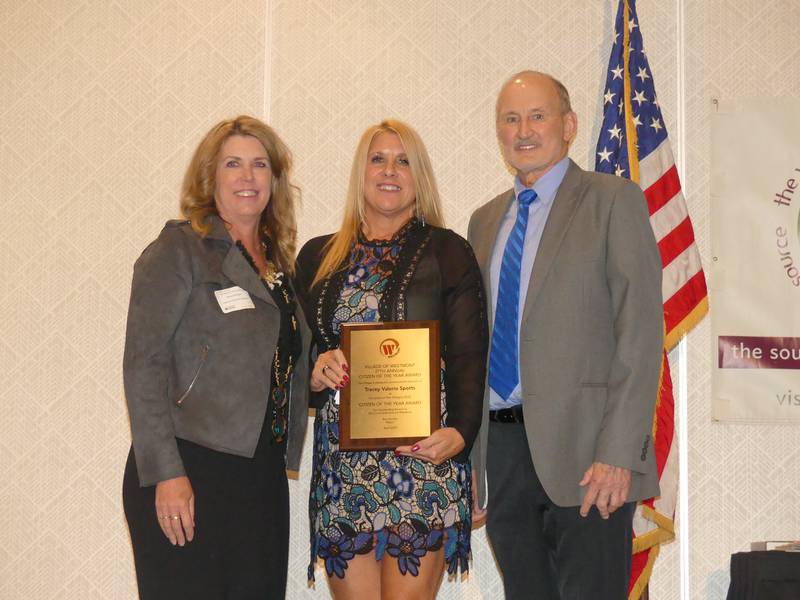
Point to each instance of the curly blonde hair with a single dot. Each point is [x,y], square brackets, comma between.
[278,221]
[426,206]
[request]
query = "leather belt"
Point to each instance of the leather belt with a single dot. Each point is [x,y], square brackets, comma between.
[507,415]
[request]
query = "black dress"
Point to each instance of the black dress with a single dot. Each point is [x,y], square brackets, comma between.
[241,544]
[373,500]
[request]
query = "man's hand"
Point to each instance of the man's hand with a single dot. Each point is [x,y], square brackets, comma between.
[607,488]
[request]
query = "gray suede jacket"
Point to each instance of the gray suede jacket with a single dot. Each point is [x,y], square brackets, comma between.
[192,371]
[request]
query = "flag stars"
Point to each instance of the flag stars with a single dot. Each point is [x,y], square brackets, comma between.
[639,97]
[642,74]
[605,155]
[621,106]
[632,25]
[608,97]
[656,124]
[619,172]
[617,72]
[636,121]
[615,132]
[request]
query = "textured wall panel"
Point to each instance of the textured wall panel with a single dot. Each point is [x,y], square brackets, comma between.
[101,103]
[743,479]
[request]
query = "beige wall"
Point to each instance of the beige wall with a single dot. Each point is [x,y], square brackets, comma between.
[101,104]
[743,479]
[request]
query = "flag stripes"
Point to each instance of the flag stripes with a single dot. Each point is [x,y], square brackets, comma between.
[633,143]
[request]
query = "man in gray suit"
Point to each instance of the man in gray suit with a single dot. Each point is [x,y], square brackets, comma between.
[574,275]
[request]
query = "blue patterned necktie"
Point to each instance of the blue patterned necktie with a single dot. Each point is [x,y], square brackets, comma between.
[504,358]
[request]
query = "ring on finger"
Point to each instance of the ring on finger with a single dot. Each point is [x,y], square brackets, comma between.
[323,369]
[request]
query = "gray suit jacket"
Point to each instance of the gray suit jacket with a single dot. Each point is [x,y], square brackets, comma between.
[591,335]
[193,372]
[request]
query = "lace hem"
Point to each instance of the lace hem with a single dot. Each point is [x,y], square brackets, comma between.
[408,543]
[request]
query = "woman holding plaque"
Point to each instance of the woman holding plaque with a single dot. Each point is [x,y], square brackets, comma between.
[387,522]
[216,377]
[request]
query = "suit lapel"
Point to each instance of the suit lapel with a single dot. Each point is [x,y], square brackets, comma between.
[235,266]
[484,244]
[564,206]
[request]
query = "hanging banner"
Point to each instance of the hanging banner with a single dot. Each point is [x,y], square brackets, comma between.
[755,283]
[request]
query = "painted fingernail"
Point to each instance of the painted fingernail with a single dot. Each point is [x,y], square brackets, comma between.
[346,378]
[397,452]
[344,366]
[415,447]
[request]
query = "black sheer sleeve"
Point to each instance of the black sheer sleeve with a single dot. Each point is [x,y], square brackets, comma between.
[308,261]
[465,334]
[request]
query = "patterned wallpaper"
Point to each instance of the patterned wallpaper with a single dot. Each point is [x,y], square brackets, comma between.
[743,479]
[100,107]
[101,103]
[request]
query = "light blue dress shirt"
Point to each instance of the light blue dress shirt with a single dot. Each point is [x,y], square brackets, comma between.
[545,188]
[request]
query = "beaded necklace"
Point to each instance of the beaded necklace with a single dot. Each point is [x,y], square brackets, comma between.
[273,280]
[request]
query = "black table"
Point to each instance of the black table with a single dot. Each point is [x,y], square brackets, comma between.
[770,575]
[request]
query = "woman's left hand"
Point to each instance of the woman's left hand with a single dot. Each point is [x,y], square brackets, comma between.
[442,444]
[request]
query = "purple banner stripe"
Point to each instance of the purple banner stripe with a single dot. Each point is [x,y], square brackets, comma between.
[753,352]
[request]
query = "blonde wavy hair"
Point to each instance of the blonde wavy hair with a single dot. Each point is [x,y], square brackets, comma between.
[426,207]
[278,221]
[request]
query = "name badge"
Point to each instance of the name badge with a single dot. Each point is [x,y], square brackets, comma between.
[233,298]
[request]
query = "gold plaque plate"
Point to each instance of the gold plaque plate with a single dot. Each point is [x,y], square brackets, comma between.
[393,398]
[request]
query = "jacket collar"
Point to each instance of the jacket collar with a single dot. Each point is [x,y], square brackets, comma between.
[234,266]
[218,229]
[566,202]
[484,244]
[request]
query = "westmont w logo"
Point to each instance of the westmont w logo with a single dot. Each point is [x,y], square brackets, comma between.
[390,347]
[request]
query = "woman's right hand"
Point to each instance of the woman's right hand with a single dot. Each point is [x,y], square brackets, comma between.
[330,371]
[175,509]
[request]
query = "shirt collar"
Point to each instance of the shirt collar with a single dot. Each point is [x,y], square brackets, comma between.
[547,185]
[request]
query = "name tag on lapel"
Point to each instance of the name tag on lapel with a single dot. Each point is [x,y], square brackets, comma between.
[233,298]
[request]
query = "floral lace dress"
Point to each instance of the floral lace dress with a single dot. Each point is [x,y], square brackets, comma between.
[367,500]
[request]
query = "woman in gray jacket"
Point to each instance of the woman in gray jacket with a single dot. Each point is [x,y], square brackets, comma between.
[216,377]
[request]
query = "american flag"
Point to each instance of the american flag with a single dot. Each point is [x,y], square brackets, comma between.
[633,143]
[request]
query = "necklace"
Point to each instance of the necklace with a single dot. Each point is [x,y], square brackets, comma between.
[281,373]
[271,276]
[279,396]
[280,387]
